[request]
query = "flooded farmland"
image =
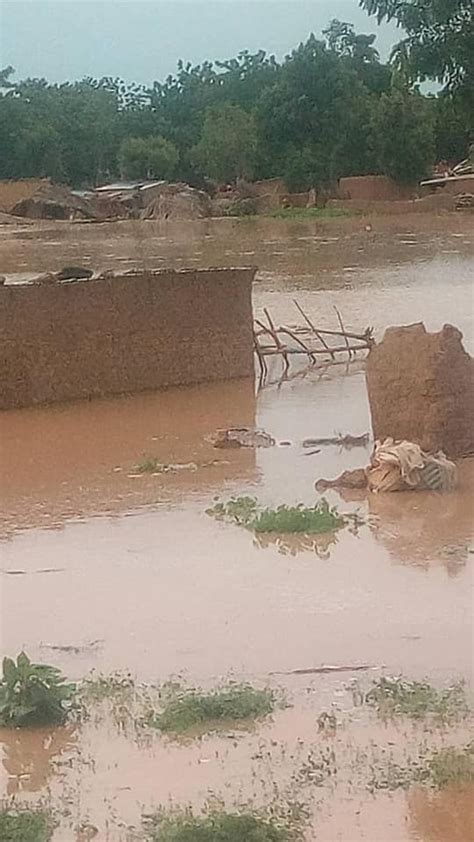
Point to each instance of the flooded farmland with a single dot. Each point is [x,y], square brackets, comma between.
[106,571]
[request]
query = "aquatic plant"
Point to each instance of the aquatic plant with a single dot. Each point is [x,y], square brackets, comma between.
[216,826]
[318,767]
[451,766]
[245,511]
[187,709]
[33,694]
[444,767]
[416,699]
[19,825]
[97,687]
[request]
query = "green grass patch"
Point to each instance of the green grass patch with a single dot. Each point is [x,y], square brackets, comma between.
[97,687]
[417,699]
[18,825]
[189,709]
[442,768]
[450,766]
[310,213]
[218,826]
[245,511]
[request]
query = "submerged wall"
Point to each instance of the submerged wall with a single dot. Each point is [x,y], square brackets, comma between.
[126,333]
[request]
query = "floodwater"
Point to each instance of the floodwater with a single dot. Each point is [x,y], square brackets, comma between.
[106,569]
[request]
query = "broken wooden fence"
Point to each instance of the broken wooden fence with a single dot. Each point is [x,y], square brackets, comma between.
[317,344]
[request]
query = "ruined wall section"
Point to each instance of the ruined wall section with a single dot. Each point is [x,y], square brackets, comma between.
[421,388]
[128,333]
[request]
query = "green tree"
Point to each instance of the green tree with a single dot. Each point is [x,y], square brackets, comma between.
[404,136]
[315,121]
[148,157]
[452,132]
[343,40]
[439,42]
[227,147]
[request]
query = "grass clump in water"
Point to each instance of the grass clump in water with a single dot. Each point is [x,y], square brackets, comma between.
[218,826]
[18,825]
[188,709]
[149,465]
[450,766]
[417,699]
[311,520]
[442,768]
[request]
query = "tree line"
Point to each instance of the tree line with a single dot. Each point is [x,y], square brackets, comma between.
[331,108]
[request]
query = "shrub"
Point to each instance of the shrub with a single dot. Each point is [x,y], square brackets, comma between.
[32,694]
[416,699]
[194,708]
[215,827]
[25,826]
[284,519]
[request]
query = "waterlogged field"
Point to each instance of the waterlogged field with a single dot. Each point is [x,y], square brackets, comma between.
[234,682]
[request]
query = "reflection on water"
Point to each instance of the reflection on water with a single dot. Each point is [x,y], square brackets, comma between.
[425,527]
[79,459]
[446,816]
[30,755]
[293,544]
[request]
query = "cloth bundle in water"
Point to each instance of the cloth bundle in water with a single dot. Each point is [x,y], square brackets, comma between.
[402,465]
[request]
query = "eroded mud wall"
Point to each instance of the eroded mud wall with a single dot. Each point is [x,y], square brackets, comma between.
[373,188]
[126,333]
[421,388]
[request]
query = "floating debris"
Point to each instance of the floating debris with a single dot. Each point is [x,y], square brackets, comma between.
[241,437]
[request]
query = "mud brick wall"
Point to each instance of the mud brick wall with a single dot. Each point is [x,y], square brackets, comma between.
[373,188]
[127,333]
[421,388]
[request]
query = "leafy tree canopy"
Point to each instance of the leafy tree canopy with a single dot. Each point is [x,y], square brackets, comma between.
[439,43]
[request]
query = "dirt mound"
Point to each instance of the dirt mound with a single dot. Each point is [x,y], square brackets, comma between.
[16,190]
[52,201]
[178,201]
[421,388]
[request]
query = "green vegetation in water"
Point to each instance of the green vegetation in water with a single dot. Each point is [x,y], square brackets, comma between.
[445,767]
[96,687]
[417,699]
[244,511]
[187,709]
[310,213]
[218,826]
[318,768]
[150,465]
[18,825]
[33,694]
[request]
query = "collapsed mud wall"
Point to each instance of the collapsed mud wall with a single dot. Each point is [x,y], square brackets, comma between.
[126,333]
[421,388]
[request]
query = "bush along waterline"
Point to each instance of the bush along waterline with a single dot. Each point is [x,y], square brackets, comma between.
[217,826]
[299,519]
[394,697]
[33,694]
[187,709]
[25,825]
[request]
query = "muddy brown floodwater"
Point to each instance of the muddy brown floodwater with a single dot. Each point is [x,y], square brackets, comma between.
[103,568]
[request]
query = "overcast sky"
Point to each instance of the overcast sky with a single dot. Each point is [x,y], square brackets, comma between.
[141,40]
